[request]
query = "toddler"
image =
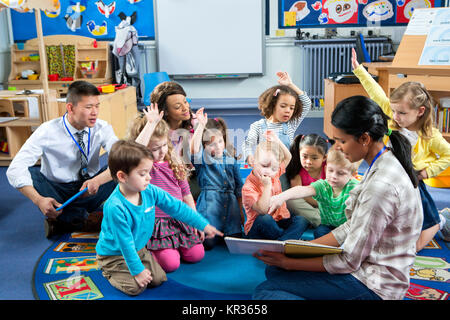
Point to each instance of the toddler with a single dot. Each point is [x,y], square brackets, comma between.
[307,165]
[219,177]
[271,158]
[330,193]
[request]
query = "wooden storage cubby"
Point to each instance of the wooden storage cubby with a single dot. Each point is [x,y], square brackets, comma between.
[85,51]
[16,132]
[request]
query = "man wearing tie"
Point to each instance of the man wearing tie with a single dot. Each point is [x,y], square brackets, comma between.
[69,149]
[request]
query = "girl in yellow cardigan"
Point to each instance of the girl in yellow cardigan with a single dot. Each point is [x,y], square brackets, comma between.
[410,108]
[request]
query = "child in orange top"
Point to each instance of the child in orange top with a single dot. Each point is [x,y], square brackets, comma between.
[271,159]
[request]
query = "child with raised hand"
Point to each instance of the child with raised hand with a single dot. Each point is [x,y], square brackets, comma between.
[129,218]
[307,165]
[271,158]
[218,175]
[330,193]
[283,107]
[410,107]
[172,240]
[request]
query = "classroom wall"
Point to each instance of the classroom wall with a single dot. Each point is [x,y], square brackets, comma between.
[280,54]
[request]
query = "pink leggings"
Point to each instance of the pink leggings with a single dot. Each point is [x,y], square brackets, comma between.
[169,259]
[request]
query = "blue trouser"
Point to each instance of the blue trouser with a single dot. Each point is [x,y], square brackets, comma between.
[430,212]
[265,227]
[322,230]
[77,211]
[303,285]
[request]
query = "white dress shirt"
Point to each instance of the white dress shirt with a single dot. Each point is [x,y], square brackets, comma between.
[60,156]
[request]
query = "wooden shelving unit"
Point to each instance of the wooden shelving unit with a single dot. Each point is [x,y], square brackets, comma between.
[85,51]
[16,132]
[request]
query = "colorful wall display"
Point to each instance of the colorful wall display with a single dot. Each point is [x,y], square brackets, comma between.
[94,19]
[348,13]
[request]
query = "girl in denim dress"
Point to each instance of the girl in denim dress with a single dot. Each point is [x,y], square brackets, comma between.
[218,176]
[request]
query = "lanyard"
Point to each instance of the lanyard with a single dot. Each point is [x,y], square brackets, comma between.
[74,140]
[376,157]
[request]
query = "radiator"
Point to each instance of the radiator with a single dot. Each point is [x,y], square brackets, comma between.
[320,58]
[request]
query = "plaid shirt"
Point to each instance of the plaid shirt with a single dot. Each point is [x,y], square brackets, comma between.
[384,220]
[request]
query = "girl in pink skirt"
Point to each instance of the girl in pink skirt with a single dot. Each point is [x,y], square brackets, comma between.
[172,240]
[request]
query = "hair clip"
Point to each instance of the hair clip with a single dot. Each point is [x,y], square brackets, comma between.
[389,132]
[216,119]
[276,92]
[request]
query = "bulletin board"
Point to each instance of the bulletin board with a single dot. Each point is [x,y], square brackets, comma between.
[348,13]
[90,18]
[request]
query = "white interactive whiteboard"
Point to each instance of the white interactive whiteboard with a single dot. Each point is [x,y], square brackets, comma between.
[209,37]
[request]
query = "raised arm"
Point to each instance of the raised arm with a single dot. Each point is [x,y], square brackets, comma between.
[285,80]
[153,118]
[196,140]
[271,136]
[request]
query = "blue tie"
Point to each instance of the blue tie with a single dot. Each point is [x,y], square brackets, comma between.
[83,173]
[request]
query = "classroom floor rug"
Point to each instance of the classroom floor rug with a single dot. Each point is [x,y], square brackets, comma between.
[68,271]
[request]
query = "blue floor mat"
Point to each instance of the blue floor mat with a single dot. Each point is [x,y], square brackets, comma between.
[65,275]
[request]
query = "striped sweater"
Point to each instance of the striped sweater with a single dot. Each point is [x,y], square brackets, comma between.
[256,128]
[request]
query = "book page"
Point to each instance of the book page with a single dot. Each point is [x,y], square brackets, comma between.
[250,246]
[309,244]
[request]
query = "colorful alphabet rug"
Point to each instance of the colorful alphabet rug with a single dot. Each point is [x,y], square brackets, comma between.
[68,270]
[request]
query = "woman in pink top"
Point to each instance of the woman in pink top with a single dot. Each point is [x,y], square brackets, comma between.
[172,240]
[307,165]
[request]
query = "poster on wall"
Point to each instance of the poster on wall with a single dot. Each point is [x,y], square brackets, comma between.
[348,13]
[90,18]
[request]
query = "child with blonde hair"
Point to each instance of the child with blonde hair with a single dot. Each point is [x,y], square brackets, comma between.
[271,158]
[330,193]
[218,175]
[410,107]
[172,240]
[283,107]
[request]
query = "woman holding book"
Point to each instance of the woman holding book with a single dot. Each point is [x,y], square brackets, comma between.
[384,220]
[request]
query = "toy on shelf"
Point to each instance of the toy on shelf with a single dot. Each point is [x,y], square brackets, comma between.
[89,69]
[4,147]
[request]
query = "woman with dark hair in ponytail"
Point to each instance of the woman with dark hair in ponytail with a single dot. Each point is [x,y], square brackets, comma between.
[384,219]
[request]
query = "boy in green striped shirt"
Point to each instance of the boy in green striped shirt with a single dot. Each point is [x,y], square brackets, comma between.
[330,193]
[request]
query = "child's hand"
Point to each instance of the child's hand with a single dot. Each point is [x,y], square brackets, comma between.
[251,161]
[271,136]
[201,117]
[152,114]
[201,235]
[266,181]
[211,232]
[422,174]
[274,203]
[143,278]
[355,63]
[283,78]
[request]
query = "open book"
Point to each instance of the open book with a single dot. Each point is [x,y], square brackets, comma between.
[293,248]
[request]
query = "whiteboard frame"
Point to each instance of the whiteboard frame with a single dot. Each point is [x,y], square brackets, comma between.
[212,75]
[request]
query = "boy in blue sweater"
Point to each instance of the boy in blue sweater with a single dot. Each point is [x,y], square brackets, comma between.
[129,217]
